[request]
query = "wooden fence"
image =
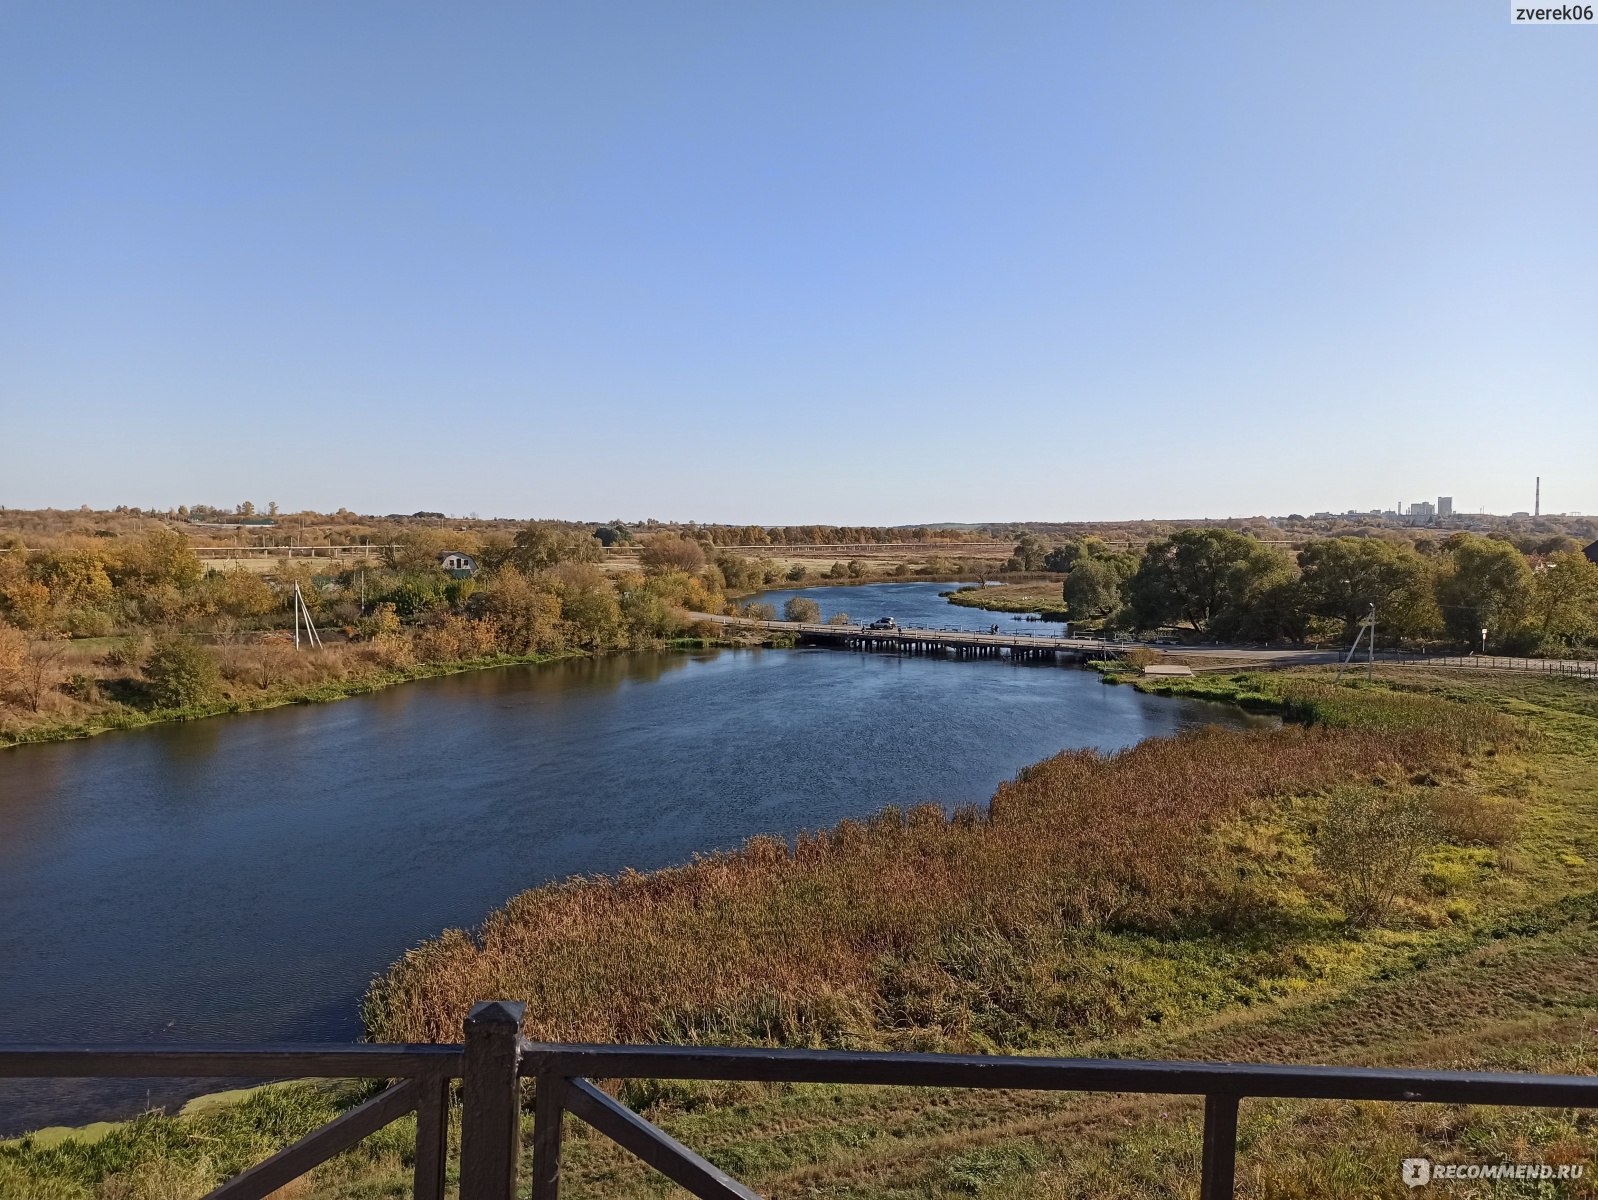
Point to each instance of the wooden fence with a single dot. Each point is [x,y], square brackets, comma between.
[494,1062]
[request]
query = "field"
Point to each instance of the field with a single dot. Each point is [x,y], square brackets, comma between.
[1166,902]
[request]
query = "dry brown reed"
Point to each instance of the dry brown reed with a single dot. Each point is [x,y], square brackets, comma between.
[820,942]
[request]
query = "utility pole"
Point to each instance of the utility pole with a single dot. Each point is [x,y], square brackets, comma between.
[302,610]
[1370,660]
[1367,625]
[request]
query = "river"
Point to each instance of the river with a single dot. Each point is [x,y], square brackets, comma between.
[911,604]
[242,878]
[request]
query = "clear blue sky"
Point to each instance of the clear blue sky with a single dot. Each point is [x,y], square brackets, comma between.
[780,262]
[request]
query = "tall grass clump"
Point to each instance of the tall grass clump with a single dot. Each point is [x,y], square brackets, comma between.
[894,930]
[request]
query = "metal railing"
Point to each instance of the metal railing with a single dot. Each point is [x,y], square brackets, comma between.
[494,1061]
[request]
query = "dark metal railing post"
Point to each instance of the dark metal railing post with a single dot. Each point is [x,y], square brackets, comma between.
[491,1101]
[549,1114]
[1220,1148]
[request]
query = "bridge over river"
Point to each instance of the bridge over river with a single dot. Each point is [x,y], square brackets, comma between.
[962,643]
[966,643]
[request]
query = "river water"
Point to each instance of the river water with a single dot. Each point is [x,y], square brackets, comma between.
[243,878]
[914,605]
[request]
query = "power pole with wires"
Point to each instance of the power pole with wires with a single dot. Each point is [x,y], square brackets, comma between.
[1368,624]
[302,611]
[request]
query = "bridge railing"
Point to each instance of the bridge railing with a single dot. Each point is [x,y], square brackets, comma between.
[494,1062]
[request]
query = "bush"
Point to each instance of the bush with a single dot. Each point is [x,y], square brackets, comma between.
[181,673]
[1370,843]
[82,687]
[838,618]
[801,610]
[129,652]
[90,623]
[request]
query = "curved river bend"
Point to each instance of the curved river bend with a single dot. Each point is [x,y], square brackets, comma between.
[243,878]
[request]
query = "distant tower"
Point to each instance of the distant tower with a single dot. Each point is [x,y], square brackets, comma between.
[1537,506]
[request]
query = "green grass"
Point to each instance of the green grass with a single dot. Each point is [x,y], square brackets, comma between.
[1011,597]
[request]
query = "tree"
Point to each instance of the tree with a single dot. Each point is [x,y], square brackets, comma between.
[243,594]
[1342,577]
[1093,589]
[1029,554]
[666,552]
[1564,600]
[544,544]
[13,657]
[1204,577]
[181,673]
[416,548]
[41,667]
[1062,558]
[802,611]
[1370,842]
[165,558]
[1487,585]
[27,601]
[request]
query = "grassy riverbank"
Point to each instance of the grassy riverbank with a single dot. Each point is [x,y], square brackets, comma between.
[1033,597]
[1173,900]
[106,714]
[126,716]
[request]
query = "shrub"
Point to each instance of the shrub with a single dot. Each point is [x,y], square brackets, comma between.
[801,610]
[181,673]
[838,618]
[82,687]
[90,623]
[129,652]
[1370,843]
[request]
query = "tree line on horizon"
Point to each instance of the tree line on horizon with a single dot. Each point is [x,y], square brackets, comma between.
[195,633]
[1530,595]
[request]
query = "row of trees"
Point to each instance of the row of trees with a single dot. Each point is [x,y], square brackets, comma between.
[1220,584]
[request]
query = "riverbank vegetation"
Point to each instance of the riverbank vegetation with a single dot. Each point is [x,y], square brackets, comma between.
[120,632]
[1467,591]
[1404,874]
[920,930]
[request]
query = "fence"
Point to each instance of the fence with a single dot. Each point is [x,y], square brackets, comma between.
[494,1060]
[1494,662]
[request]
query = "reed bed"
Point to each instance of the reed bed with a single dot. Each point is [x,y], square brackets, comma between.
[896,930]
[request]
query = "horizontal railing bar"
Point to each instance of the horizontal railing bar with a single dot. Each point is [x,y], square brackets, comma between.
[1060,1074]
[653,1145]
[309,1061]
[316,1147]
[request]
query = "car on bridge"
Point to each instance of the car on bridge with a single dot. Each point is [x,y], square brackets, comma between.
[883,623]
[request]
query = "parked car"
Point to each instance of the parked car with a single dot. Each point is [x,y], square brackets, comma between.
[883,623]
